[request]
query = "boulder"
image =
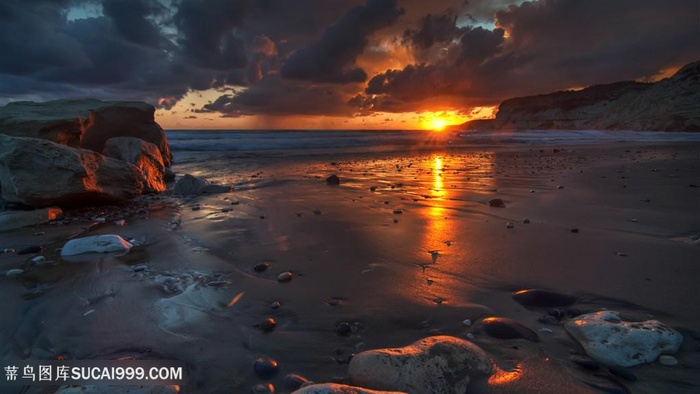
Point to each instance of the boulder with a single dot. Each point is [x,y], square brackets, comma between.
[334,388]
[98,243]
[610,340]
[144,155]
[439,364]
[41,173]
[190,185]
[10,220]
[86,124]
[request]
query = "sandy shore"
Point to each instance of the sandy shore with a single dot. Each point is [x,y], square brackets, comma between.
[360,253]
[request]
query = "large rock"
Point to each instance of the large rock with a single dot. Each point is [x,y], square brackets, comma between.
[334,388]
[41,173]
[86,124]
[439,364]
[142,154]
[10,220]
[614,342]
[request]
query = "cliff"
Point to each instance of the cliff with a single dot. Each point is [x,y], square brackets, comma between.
[672,104]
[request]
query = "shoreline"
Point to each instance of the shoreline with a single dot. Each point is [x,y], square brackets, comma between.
[352,263]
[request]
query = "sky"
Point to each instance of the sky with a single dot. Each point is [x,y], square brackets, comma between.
[328,64]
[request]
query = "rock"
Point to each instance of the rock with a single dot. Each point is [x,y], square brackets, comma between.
[504,328]
[11,220]
[333,180]
[543,298]
[510,225]
[467,322]
[30,249]
[14,272]
[189,185]
[265,367]
[439,364]
[343,328]
[268,324]
[293,381]
[497,203]
[261,267]
[574,230]
[667,360]
[333,388]
[284,277]
[38,259]
[97,243]
[608,339]
[40,173]
[86,124]
[275,305]
[144,155]
[526,221]
[263,388]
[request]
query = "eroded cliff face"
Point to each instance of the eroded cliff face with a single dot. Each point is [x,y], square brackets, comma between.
[672,104]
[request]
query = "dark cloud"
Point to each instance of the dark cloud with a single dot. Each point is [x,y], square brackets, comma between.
[333,57]
[539,47]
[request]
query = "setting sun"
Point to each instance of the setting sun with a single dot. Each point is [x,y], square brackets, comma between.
[437,121]
[438,124]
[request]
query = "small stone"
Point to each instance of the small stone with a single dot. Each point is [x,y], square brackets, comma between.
[546,319]
[293,381]
[396,220]
[560,187]
[546,330]
[543,298]
[526,221]
[261,267]
[497,203]
[467,322]
[621,254]
[532,191]
[373,188]
[585,362]
[317,212]
[275,305]
[224,210]
[343,328]
[30,249]
[667,360]
[14,272]
[263,388]
[265,367]
[470,335]
[333,180]
[99,220]
[284,277]
[38,259]
[196,208]
[268,324]
[398,211]
[235,202]
[504,328]
[574,230]
[120,223]
[510,225]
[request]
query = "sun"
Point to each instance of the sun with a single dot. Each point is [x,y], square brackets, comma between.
[438,124]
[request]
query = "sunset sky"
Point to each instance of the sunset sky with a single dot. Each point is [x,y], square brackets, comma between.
[350,64]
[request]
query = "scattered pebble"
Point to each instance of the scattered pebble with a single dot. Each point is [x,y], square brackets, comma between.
[333,180]
[504,328]
[467,322]
[547,319]
[574,230]
[265,368]
[470,335]
[343,328]
[14,272]
[546,330]
[196,208]
[510,225]
[373,188]
[268,324]
[560,187]
[317,211]
[263,388]
[496,203]
[621,254]
[38,259]
[526,221]
[261,267]
[100,220]
[293,381]
[275,305]
[284,277]
[120,223]
[667,360]
[398,211]
[532,190]
[224,210]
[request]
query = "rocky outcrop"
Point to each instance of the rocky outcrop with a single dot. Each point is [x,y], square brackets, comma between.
[144,155]
[668,105]
[41,173]
[11,220]
[96,244]
[612,341]
[439,365]
[86,124]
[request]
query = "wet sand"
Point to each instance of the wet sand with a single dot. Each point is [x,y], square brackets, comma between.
[360,253]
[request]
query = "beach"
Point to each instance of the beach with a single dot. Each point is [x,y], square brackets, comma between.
[405,247]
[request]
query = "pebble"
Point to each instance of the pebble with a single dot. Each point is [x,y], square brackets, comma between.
[343,328]
[560,187]
[373,188]
[293,381]
[38,259]
[510,225]
[532,190]
[100,220]
[470,335]
[263,388]
[120,223]
[14,272]
[265,367]
[398,211]
[226,210]
[268,324]
[585,362]
[261,267]
[30,249]
[333,180]
[546,319]
[526,221]
[574,230]
[317,211]
[284,277]
[668,361]
[543,298]
[467,322]
[546,330]
[7,250]
[504,328]
[196,208]
[496,203]
[275,305]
